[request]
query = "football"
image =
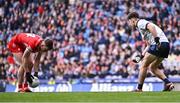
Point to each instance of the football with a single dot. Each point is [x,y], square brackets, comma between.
[136,59]
[35,82]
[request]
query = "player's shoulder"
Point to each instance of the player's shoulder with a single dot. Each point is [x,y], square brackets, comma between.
[142,23]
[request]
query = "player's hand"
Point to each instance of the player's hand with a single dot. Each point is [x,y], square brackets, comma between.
[29,77]
[138,58]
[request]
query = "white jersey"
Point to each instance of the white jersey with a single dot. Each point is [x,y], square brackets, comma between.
[146,34]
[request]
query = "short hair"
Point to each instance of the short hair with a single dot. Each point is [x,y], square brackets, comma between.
[49,43]
[133,15]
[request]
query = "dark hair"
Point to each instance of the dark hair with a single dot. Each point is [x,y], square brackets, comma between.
[49,43]
[133,15]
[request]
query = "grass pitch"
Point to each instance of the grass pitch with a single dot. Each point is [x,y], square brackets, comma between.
[96,97]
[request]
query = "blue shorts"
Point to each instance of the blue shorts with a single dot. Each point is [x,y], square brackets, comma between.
[162,51]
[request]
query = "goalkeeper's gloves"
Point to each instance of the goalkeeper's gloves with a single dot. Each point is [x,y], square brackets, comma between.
[138,58]
[29,77]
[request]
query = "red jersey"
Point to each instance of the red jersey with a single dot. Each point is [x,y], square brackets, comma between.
[22,40]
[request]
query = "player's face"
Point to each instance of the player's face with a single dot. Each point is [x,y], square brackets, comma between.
[131,23]
[44,48]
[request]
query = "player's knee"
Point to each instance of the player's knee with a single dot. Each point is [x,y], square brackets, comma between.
[30,65]
[144,65]
[20,70]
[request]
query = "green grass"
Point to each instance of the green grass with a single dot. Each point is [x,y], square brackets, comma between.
[92,97]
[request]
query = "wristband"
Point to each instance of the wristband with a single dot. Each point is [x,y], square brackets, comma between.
[156,39]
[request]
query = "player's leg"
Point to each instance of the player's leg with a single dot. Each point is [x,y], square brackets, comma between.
[17,52]
[22,83]
[25,85]
[18,59]
[154,68]
[147,60]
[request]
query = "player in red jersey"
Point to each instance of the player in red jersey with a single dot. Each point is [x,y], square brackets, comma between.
[23,46]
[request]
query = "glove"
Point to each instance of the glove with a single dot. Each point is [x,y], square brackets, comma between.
[156,39]
[158,44]
[36,74]
[29,77]
[138,58]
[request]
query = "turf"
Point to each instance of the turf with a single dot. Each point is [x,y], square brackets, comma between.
[92,97]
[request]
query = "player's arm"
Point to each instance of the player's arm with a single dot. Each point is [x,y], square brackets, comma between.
[145,50]
[138,58]
[36,63]
[153,31]
[25,60]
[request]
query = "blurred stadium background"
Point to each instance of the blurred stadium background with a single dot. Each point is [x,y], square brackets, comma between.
[93,43]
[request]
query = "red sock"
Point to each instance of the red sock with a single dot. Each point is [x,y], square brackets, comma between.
[25,85]
[20,86]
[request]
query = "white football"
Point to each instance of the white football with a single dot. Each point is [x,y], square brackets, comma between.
[35,82]
[136,59]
